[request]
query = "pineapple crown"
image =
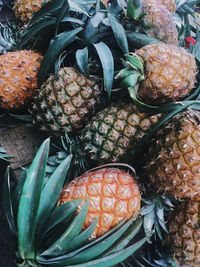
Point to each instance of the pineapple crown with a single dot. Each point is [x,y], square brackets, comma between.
[9,36]
[3,154]
[50,234]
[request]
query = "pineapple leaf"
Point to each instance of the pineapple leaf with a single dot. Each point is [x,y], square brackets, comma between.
[107,62]
[18,191]
[62,12]
[51,191]
[62,244]
[88,245]
[3,155]
[58,215]
[7,202]
[97,249]
[57,45]
[119,33]
[36,29]
[82,60]
[50,8]
[29,202]
[124,241]
[138,40]
[82,237]
[109,260]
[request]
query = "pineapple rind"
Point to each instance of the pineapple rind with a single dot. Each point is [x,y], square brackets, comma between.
[113,195]
[65,103]
[114,130]
[184,234]
[18,78]
[174,157]
[170,73]
[25,8]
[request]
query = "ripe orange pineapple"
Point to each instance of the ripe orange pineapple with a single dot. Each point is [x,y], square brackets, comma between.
[174,157]
[18,78]
[184,234]
[113,195]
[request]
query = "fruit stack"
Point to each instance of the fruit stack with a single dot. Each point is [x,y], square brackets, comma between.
[112,83]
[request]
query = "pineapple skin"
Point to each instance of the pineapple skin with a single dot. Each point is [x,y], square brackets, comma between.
[169,4]
[113,195]
[24,9]
[170,73]
[65,103]
[115,130]
[174,157]
[18,78]
[184,234]
[159,22]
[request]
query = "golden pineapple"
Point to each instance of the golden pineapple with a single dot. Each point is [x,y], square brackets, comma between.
[113,195]
[184,234]
[170,73]
[174,157]
[25,8]
[18,78]
[115,130]
[65,103]
[159,22]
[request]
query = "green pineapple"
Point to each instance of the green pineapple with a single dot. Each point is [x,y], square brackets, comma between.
[64,103]
[115,130]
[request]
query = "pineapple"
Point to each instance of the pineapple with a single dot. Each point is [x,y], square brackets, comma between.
[52,235]
[64,103]
[184,234]
[115,130]
[173,162]
[113,195]
[159,23]
[25,8]
[167,73]
[169,4]
[152,18]
[18,78]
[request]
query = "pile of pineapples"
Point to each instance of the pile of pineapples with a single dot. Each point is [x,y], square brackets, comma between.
[113,83]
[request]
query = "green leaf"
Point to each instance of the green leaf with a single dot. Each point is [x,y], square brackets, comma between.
[83,237]
[107,62]
[124,241]
[64,9]
[18,191]
[97,249]
[138,40]
[61,245]
[135,62]
[59,214]
[108,260]
[119,33]
[82,248]
[36,29]
[57,45]
[49,8]
[148,208]
[51,191]
[7,202]
[82,60]
[29,202]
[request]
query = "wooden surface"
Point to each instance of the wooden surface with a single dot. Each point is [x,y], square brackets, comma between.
[21,143]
